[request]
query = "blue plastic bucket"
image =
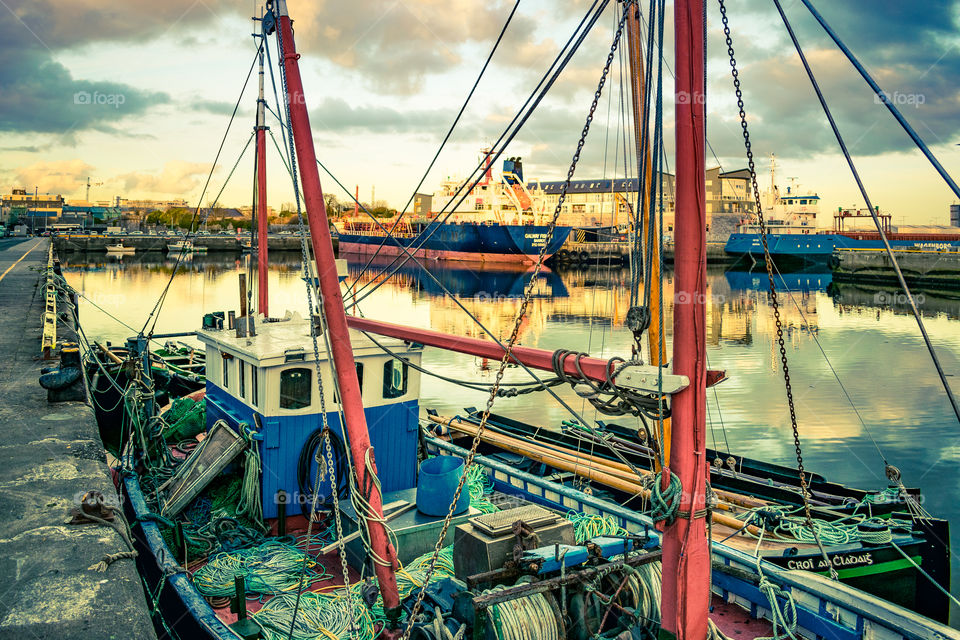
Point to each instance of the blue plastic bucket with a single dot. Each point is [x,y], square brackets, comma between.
[437,483]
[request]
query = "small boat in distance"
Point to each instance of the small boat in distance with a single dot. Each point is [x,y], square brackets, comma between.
[185,246]
[119,249]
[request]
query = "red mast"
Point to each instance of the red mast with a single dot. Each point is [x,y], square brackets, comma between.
[686,557]
[262,221]
[356,423]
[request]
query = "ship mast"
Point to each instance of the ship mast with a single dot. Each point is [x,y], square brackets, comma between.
[332,299]
[651,231]
[686,557]
[261,212]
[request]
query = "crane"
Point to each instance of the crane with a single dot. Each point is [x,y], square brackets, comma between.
[91,184]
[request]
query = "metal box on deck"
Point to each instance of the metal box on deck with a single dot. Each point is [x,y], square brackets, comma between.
[416,533]
[477,551]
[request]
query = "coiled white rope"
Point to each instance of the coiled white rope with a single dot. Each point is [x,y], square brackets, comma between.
[527,618]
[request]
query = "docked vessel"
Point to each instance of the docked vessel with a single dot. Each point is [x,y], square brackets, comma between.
[185,247]
[120,249]
[277,519]
[494,221]
[799,243]
[792,234]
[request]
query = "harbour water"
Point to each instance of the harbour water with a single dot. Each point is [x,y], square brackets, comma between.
[871,342]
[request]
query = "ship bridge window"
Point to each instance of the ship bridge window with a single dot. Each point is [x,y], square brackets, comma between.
[394,378]
[803,202]
[295,388]
[225,378]
[241,376]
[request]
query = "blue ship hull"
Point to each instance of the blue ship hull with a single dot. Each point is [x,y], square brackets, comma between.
[466,241]
[821,245]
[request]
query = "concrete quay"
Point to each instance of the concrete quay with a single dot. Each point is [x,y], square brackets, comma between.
[69,243]
[50,455]
[930,269]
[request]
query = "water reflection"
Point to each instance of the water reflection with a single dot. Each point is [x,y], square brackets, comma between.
[872,344]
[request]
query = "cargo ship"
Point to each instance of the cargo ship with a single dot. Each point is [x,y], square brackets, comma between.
[496,221]
[789,240]
[791,224]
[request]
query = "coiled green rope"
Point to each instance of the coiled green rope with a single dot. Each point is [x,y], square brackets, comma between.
[664,503]
[589,525]
[272,567]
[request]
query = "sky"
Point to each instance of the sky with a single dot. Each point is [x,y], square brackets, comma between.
[138,96]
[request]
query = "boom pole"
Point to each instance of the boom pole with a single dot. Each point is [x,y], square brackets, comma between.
[332,299]
[686,555]
[262,221]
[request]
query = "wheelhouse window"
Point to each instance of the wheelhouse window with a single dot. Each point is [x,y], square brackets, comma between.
[225,378]
[253,385]
[394,378]
[295,388]
[242,377]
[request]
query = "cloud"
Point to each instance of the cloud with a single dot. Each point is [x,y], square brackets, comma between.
[63,177]
[785,116]
[40,95]
[335,114]
[177,178]
[60,24]
[394,45]
[216,107]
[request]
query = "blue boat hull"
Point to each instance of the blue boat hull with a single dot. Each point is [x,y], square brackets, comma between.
[468,241]
[821,245]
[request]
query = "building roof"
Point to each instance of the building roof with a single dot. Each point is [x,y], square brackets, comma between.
[742,174]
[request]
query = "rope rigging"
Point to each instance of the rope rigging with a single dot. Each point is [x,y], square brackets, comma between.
[499,147]
[862,188]
[443,143]
[516,327]
[154,312]
[538,383]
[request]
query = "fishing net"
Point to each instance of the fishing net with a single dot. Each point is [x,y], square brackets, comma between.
[187,418]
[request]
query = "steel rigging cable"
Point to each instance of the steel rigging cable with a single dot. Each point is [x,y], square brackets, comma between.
[196,213]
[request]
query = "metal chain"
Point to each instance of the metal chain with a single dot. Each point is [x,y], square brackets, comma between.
[768,259]
[528,294]
[331,472]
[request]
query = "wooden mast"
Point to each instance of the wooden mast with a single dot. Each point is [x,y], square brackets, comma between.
[686,557]
[340,346]
[262,221]
[651,232]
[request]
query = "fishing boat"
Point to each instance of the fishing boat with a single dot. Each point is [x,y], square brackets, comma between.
[317,503]
[177,370]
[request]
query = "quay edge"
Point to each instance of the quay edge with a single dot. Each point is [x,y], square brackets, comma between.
[50,454]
